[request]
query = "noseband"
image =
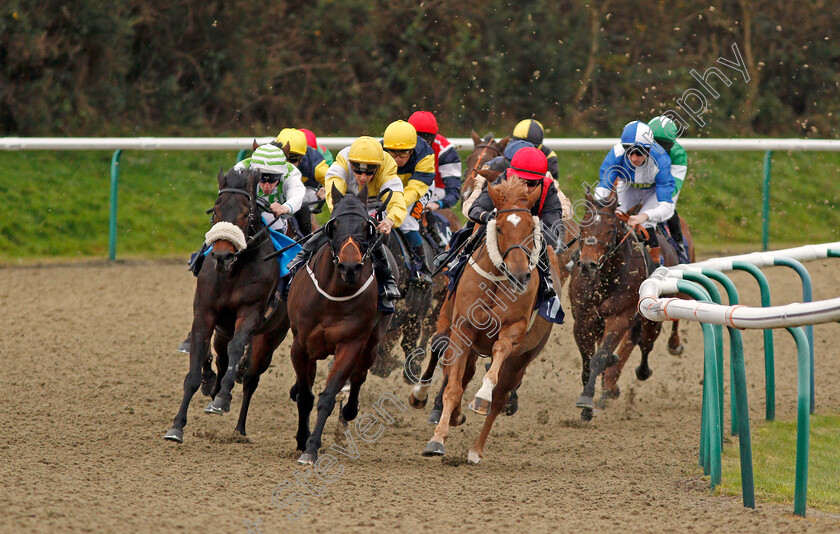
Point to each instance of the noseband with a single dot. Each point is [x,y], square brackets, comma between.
[612,246]
[251,219]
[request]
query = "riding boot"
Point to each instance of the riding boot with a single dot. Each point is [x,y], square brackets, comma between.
[197,259]
[676,233]
[424,276]
[303,216]
[544,268]
[310,247]
[388,289]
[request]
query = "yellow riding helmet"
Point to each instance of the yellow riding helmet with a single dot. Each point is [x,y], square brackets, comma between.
[399,135]
[529,130]
[295,138]
[366,150]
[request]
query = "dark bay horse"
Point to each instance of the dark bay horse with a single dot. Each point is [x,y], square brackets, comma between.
[604,292]
[492,312]
[484,149]
[333,310]
[232,295]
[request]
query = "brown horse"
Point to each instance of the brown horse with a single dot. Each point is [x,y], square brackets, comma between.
[333,310]
[232,299]
[603,290]
[484,149]
[492,312]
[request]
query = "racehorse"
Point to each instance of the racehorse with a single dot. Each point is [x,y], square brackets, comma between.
[232,298]
[603,291]
[484,149]
[333,310]
[492,312]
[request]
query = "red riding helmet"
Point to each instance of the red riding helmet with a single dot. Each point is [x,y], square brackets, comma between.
[529,164]
[311,140]
[424,122]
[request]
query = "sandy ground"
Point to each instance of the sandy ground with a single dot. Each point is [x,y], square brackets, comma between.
[93,382]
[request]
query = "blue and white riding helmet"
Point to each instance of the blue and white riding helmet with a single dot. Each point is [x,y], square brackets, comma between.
[637,135]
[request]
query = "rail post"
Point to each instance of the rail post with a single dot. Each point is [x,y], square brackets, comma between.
[806,297]
[803,421]
[765,213]
[112,219]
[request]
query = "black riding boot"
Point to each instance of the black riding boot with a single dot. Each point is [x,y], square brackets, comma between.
[388,289]
[310,247]
[676,232]
[197,259]
[424,276]
[544,268]
[303,216]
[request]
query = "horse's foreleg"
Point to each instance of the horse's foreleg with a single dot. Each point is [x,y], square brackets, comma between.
[650,331]
[245,325]
[305,373]
[199,352]
[509,379]
[510,339]
[615,328]
[220,343]
[262,348]
[675,346]
[346,358]
[611,374]
[452,396]
[420,392]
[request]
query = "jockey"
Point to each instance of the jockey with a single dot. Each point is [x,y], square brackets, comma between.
[665,134]
[532,131]
[416,168]
[364,164]
[446,188]
[284,200]
[639,170]
[312,141]
[531,165]
[312,168]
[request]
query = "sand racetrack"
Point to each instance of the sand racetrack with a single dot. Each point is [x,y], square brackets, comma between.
[93,382]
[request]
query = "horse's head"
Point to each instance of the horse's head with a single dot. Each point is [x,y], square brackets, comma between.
[599,232]
[351,233]
[234,216]
[513,240]
[484,150]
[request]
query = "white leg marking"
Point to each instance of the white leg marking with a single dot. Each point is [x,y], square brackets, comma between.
[486,391]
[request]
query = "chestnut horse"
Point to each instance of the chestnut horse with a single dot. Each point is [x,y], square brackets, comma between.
[484,149]
[232,299]
[333,310]
[604,292]
[492,312]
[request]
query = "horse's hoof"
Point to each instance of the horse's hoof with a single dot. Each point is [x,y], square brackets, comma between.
[417,403]
[473,457]
[678,350]
[479,406]
[184,346]
[349,412]
[207,385]
[307,459]
[433,448]
[512,404]
[602,402]
[585,402]
[434,416]
[643,373]
[458,421]
[173,434]
[212,409]
[613,393]
[218,406]
[586,414]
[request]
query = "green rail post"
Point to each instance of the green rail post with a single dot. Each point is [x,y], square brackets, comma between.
[710,449]
[806,297]
[765,214]
[769,355]
[803,421]
[714,295]
[112,224]
[738,385]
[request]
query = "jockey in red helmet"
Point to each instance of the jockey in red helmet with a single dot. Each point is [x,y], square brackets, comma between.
[447,185]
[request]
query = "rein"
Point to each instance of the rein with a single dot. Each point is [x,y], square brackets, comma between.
[611,249]
[485,146]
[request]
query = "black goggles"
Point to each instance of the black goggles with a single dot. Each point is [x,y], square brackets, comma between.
[270,178]
[637,151]
[369,170]
[399,153]
[294,159]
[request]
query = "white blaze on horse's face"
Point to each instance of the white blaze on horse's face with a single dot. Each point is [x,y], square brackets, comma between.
[514,219]
[597,218]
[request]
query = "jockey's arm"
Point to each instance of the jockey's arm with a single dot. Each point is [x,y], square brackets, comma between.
[293,191]
[565,203]
[553,165]
[337,177]
[609,172]
[482,208]
[449,166]
[386,178]
[664,192]
[452,190]
[478,187]
[418,183]
[551,217]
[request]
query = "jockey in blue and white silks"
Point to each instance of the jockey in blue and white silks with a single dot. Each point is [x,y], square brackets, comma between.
[639,170]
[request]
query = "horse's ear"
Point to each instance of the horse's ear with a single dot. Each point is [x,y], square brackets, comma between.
[285,148]
[362,194]
[495,196]
[504,142]
[222,181]
[490,175]
[255,145]
[476,139]
[588,193]
[336,194]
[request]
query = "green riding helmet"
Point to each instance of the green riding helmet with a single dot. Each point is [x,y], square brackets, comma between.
[665,131]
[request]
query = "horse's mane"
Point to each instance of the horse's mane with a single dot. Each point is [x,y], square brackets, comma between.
[238,178]
[513,190]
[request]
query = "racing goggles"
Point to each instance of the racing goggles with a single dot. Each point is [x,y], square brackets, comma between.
[269,178]
[399,153]
[636,150]
[294,159]
[364,168]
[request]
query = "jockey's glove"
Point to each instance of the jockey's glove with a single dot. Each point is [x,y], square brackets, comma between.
[486,216]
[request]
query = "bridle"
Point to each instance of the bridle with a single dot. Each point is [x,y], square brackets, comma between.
[252,218]
[612,246]
[497,258]
[518,245]
[485,147]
